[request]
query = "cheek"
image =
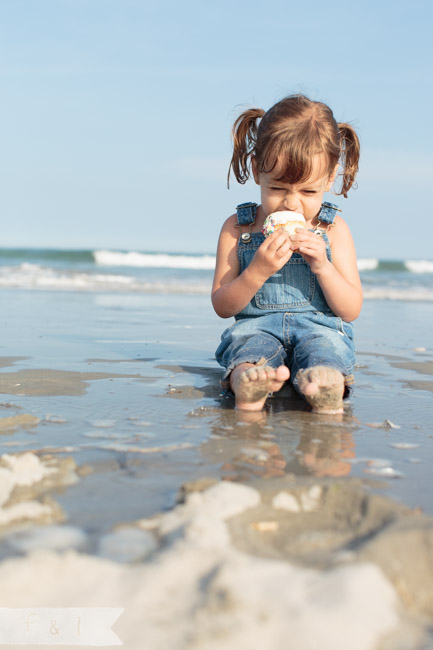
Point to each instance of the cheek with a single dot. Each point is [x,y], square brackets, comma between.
[312,206]
[268,198]
[312,201]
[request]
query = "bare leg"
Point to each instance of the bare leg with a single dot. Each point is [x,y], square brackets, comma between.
[323,388]
[252,384]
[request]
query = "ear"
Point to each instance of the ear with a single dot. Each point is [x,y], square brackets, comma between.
[331,178]
[254,169]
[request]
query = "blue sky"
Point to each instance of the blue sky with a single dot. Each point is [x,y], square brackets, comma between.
[116,115]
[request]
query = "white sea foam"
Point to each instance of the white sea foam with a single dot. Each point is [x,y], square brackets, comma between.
[154,260]
[218,595]
[412,294]
[419,266]
[34,276]
[53,537]
[367,264]
[403,284]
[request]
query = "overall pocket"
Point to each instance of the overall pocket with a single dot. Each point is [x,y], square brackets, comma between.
[292,286]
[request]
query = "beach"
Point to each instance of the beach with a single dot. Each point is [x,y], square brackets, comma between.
[123,463]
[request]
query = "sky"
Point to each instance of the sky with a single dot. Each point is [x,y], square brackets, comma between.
[115,115]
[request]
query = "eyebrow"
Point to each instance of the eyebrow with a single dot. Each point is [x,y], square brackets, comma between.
[310,186]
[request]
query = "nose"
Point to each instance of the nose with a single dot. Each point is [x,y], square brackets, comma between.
[291,202]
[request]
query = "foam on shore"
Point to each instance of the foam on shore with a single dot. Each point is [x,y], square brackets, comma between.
[218,595]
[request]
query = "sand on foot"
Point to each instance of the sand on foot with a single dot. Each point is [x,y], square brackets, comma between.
[323,388]
[252,383]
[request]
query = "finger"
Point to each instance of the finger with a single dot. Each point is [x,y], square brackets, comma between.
[297,240]
[307,241]
[284,250]
[305,247]
[301,231]
[304,235]
[281,254]
[277,239]
[313,244]
[277,233]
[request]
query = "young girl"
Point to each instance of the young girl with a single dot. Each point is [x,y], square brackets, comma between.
[293,297]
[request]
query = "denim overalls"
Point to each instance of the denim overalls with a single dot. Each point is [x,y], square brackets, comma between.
[288,321]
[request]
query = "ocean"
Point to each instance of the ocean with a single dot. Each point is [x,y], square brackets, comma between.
[173,273]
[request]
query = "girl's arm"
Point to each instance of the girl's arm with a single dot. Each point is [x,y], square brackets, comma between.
[339,280]
[231,291]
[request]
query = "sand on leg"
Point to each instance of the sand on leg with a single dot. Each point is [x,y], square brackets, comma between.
[323,388]
[252,383]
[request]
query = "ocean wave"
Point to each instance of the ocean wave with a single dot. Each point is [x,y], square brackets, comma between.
[34,276]
[86,260]
[411,294]
[367,264]
[414,287]
[154,260]
[38,255]
[419,266]
[400,266]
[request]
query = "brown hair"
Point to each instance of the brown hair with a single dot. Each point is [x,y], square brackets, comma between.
[290,134]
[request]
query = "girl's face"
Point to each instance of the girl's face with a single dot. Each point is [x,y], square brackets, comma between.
[305,198]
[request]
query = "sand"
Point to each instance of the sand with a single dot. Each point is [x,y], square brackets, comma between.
[226,580]
[122,463]
[51,382]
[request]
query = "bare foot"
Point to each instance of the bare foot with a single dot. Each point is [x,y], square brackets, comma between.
[252,384]
[323,388]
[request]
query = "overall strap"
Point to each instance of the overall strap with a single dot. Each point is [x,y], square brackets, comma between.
[326,218]
[246,214]
[327,213]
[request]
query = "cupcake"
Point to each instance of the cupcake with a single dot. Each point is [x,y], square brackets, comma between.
[284,219]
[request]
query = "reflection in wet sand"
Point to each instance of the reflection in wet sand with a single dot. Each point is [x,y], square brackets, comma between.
[327,455]
[272,443]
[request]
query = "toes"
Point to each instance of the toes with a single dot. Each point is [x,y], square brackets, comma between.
[264,374]
[282,373]
[323,387]
[249,375]
[253,385]
[310,388]
[260,374]
[319,376]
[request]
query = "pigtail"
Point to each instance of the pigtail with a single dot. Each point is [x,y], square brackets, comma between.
[349,156]
[244,136]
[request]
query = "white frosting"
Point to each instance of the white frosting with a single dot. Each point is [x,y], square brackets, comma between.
[283,216]
[284,220]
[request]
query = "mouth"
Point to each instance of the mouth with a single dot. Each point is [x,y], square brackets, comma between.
[292,212]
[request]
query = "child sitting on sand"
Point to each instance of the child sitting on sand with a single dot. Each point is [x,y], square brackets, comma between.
[293,297]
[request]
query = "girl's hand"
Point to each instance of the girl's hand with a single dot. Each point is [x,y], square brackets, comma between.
[311,247]
[272,255]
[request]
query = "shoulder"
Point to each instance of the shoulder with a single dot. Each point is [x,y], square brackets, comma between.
[342,244]
[229,236]
[340,231]
[340,223]
[231,225]
[230,229]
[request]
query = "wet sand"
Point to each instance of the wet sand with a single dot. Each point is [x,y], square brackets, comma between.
[121,461]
